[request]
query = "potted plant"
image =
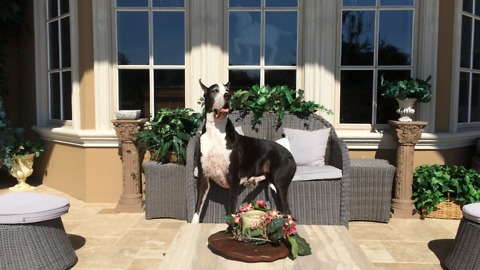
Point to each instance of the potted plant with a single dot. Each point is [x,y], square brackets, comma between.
[16,152]
[278,99]
[165,136]
[407,92]
[439,191]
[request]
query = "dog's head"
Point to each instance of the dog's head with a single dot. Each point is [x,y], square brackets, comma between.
[217,98]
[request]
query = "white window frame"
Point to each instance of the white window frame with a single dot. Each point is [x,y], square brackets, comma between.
[454,124]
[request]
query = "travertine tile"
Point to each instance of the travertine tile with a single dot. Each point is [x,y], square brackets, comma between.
[144,264]
[416,252]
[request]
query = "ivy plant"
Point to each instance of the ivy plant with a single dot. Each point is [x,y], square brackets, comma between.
[434,184]
[169,130]
[278,99]
[409,88]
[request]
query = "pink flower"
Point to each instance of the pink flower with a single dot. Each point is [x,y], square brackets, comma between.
[261,204]
[253,224]
[246,207]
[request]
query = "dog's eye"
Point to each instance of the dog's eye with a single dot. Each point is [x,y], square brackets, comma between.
[215,91]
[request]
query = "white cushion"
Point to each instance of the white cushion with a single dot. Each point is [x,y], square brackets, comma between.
[284,142]
[239,130]
[308,147]
[472,212]
[307,173]
[29,207]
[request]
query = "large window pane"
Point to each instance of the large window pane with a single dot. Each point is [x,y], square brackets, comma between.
[476,44]
[64,7]
[466,46]
[395,37]
[133,90]
[463,97]
[53,45]
[169,88]
[244,38]
[168,3]
[468,6]
[132,37]
[281,77]
[356,96]
[65,32]
[475,99]
[280,38]
[243,79]
[168,34]
[132,3]
[67,95]
[52,8]
[358,3]
[55,97]
[358,37]
[396,2]
[281,3]
[245,3]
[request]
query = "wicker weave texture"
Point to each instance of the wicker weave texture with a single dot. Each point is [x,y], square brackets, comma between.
[165,191]
[450,209]
[312,202]
[466,253]
[40,245]
[371,189]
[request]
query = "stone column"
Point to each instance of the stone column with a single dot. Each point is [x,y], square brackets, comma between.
[406,135]
[131,198]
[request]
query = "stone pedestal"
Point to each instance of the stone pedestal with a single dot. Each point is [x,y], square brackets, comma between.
[131,198]
[406,134]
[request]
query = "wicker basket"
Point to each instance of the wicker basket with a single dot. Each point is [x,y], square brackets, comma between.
[450,209]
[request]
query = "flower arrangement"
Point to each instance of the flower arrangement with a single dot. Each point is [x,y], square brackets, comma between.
[268,226]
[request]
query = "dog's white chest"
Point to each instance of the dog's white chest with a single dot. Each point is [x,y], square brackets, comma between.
[215,156]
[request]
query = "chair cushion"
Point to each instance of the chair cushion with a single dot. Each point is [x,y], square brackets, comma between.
[308,173]
[29,207]
[308,147]
[472,212]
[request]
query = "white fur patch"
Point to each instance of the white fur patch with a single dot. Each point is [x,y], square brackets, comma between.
[215,155]
[196,218]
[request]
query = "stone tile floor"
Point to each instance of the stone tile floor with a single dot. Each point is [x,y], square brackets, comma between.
[107,240]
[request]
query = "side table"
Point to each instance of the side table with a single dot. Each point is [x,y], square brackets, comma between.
[371,189]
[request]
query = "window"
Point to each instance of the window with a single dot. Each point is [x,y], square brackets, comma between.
[469,81]
[377,39]
[59,60]
[150,44]
[263,43]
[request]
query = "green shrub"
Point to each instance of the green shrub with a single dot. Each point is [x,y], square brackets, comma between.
[433,184]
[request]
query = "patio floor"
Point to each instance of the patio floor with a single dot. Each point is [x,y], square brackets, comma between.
[107,240]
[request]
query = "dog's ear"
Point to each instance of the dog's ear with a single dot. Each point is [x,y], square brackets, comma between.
[202,85]
[227,85]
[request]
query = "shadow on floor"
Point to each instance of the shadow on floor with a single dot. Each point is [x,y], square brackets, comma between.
[77,241]
[441,248]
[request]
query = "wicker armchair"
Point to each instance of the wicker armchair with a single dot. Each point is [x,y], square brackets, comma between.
[319,201]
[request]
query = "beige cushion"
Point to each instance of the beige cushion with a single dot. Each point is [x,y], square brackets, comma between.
[307,173]
[472,212]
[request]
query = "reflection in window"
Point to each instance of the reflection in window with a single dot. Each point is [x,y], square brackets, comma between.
[262,35]
[377,38]
[151,42]
[59,61]
[469,77]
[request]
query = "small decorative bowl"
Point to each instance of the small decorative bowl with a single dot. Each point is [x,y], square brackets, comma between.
[127,114]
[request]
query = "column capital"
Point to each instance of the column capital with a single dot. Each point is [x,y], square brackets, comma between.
[407,133]
[125,128]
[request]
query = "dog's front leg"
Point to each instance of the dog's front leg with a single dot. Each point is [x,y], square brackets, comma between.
[232,198]
[202,191]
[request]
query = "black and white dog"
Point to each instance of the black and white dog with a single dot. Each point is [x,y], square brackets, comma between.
[230,159]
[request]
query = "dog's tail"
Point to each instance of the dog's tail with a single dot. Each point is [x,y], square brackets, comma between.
[272,186]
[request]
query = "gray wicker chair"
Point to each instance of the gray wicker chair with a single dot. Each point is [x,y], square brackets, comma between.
[466,252]
[323,201]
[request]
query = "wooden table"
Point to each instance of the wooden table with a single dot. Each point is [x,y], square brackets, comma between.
[332,248]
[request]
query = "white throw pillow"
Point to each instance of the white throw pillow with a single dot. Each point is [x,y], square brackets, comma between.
[239,130]
[284,142]
[308,147]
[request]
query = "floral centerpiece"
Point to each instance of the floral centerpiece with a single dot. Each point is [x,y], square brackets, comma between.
[258,224]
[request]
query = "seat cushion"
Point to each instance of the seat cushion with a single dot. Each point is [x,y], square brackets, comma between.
[29,207]
[308,173]
[472,212]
